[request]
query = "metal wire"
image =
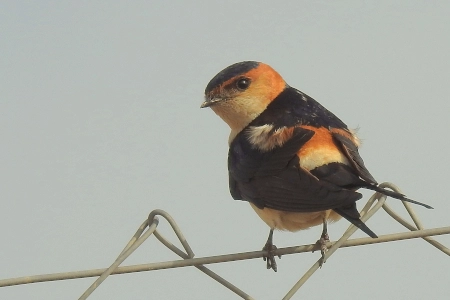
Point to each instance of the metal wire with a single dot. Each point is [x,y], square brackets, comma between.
[149,227]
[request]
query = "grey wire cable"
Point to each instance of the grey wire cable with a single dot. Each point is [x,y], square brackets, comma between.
[149,227]
[220,258]
[136,241]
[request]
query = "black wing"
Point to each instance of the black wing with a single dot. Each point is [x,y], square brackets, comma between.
[361,176]
[351,151]
[293,107]
[274,179]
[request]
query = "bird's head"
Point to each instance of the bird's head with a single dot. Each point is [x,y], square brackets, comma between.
[241,92]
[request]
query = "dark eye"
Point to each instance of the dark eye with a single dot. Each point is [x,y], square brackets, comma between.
[243,84]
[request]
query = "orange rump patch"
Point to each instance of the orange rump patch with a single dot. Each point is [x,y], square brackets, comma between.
[320,150]
[321,139]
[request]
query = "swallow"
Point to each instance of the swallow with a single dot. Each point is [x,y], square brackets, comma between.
[295,162]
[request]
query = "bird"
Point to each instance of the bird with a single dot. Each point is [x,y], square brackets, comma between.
[295,162]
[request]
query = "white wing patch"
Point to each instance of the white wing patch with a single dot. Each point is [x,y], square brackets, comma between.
[265,138]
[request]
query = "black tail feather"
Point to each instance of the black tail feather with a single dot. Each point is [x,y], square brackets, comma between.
[352,215]
[395,195]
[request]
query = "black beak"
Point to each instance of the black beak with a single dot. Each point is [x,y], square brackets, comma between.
[210,101]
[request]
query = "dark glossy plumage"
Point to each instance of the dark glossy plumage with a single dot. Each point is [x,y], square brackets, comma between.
[293,107]
[288,153]
[230,72]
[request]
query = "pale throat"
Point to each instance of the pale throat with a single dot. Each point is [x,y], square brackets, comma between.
[237,115]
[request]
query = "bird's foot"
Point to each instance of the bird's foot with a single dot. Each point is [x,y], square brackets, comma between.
[322,245]
[270,257]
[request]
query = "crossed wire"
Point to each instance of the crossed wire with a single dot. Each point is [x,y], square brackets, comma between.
[149,227]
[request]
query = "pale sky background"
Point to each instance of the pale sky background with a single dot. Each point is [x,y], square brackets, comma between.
[100,123]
